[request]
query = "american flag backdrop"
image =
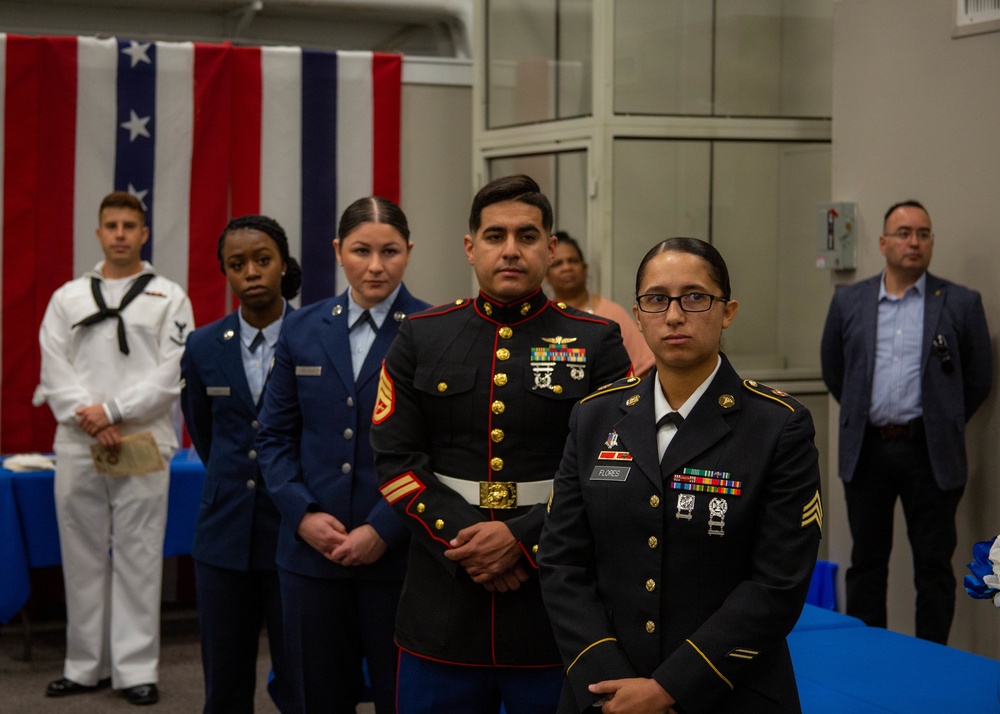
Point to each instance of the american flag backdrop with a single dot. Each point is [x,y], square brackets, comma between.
[199,133]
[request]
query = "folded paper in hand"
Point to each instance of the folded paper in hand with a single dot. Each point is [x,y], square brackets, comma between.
[139,454]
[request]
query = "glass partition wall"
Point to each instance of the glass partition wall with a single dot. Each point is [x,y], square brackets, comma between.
[643,119]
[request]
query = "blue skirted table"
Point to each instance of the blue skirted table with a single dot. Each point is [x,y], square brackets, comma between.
[843,666]
[29,536]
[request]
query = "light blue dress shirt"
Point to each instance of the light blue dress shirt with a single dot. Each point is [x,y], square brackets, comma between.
[257,364]
[899,341]
[363,335]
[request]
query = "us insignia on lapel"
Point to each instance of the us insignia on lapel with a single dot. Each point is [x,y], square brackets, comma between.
[812,512]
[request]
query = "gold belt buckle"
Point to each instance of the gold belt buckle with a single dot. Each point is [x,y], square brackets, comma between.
[498,494]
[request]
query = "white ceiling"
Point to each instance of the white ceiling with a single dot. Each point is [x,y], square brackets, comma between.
[433,28]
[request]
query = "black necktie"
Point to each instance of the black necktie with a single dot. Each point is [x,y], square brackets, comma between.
[673,417]
[258,340]
[104,312]
[366,317]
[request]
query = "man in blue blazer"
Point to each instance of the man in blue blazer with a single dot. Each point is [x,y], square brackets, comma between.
[908,357]
[341,548]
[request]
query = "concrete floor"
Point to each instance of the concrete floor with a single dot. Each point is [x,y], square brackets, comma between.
[22,683]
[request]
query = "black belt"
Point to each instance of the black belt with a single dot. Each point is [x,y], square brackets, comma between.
[913,430]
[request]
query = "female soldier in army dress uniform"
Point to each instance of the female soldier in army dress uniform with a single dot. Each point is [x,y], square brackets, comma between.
[685,519]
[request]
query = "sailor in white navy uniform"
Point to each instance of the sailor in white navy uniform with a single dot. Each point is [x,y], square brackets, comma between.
[111,344]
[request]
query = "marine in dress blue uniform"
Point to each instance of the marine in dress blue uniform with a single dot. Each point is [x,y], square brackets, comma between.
[476,395]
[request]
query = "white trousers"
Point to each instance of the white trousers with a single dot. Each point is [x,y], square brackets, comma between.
[111,535]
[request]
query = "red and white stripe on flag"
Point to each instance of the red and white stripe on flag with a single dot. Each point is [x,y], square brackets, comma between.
[199,133]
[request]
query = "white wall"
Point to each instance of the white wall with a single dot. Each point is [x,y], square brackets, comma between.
[435,176]
[915,115]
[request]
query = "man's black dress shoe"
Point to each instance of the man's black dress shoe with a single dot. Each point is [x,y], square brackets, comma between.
[67,687]
[141,694]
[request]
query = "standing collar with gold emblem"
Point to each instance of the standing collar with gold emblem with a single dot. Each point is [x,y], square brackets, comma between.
[661,406]
[512,312]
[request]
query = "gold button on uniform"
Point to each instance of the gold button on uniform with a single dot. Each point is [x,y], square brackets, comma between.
[653,542]
[506,332]
[650,626]
[503,354]
[421,508]
[439,524]
[650,585]
[557,388]
[496,463]
[534,548]
[497,435]
[442,386]
[654,501]
[500,379]
[498,407]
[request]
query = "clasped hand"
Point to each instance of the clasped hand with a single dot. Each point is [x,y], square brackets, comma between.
[325,533]
[636,695]
[94,421]
[490,555]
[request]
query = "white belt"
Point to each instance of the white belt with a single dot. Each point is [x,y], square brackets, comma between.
[499,494]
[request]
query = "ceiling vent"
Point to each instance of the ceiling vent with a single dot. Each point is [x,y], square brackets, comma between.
[974,17]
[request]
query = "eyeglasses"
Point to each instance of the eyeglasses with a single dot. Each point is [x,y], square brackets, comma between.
[923,235]
[689,302]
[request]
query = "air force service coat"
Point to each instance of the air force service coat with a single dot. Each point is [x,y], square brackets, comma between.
[221,418]
[481,392]
[313,443]
[695,588]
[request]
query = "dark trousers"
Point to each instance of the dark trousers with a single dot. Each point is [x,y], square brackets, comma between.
[330,625]
[430,687]
[232,607]
[890,469]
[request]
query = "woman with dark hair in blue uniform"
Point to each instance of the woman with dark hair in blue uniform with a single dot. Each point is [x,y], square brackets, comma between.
[685,518]
[342,548]
[225,367]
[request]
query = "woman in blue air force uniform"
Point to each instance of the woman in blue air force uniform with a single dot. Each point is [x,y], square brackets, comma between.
[685,519]
[342,548]
[225,366]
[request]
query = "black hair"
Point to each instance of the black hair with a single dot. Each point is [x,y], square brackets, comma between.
[902,204]
[373,209]
[291,281]
[520,188]
[717,269]
[567,239]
